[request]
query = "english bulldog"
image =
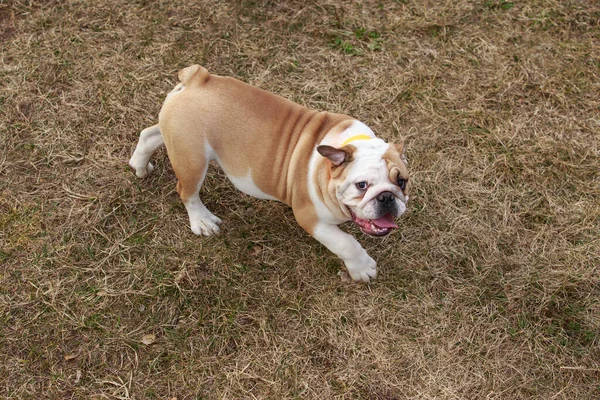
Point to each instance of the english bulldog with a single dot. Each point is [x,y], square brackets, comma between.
[330,168]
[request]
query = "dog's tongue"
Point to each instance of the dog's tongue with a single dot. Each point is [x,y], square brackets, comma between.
[387,221]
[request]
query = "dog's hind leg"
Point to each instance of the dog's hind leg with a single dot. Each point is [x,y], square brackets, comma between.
[190,167]
[150,141]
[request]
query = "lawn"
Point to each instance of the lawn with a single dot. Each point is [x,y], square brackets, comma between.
[490,288]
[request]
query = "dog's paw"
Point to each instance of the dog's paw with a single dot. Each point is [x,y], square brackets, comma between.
[207,226]
[363,269]
[141,171]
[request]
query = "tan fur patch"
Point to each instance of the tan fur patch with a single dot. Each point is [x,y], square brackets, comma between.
[396,166]
[250,130]
[328,175]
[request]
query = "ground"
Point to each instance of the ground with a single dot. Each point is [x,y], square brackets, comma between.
[490,288]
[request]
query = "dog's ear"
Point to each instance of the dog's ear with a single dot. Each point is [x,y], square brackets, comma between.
[401,148]
[335,155]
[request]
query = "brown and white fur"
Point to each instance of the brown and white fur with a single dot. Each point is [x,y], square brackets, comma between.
[273,148]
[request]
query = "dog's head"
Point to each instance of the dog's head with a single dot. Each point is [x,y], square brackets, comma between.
[370,179]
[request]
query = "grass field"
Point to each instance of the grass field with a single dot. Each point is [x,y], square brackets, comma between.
[490,289]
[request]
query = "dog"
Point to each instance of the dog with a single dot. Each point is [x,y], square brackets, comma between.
[330,168]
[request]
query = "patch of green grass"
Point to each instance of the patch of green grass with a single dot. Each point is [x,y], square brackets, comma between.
[356,41]
[93,321]
[344,45]
[4,255]
[566,325]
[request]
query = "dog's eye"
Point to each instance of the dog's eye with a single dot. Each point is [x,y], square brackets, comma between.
[402,183]
[362,185]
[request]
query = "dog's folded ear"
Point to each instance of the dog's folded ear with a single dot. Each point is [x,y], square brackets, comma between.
[335,155]
[401,148]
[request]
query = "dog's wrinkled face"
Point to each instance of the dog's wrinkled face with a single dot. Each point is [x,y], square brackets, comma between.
[370,179]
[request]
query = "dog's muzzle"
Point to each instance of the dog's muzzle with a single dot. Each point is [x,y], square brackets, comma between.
[386,203]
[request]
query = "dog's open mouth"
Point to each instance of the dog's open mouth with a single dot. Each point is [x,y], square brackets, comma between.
[375,227]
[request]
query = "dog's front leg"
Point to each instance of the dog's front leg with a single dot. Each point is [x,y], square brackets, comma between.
[360,265]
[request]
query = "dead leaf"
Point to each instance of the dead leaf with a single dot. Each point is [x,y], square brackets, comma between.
[148,339]
[256,250]
[69,357]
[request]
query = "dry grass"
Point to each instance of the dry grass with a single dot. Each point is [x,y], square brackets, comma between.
[490,289]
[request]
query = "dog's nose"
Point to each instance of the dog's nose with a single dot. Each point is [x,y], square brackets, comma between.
[385,197]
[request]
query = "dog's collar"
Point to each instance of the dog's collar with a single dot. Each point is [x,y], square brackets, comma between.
[356,137]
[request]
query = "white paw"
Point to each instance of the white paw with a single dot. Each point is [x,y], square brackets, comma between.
[207,226]
[362,269]
[141,171]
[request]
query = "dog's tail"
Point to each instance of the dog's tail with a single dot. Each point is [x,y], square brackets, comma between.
[194,74]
